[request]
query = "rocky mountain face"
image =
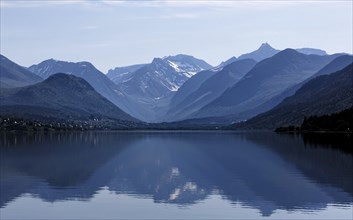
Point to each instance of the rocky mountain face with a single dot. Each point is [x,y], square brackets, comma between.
[152,86]
[122,74]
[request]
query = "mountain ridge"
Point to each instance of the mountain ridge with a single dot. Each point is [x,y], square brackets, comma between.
[13,75]
[152,86]
[61,95]
[99,81]
[263,52]
[268,78]
[322,95]
[211,88]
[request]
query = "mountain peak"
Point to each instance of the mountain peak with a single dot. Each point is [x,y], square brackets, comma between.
[309,51]
[286,54]
[265,46]
[263,52]
[68,81]
[183,63]
[85,64]
[178,57]
[62,62]
[157,60]
[47,61]
[289,51]
[61,76]
[49,67]
[225,63]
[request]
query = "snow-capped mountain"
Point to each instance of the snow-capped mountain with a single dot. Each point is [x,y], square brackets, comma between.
[175,69]
[182,64]
[140,90]
[121,74]
[187,65]
[210,89]
[152,85]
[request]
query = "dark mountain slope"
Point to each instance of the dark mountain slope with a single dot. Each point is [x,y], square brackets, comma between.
[13,75]
[100,82]
[60,96]
[342,121]
[190,86]
[322,95]
[211,88]
[337,64]
[266,80]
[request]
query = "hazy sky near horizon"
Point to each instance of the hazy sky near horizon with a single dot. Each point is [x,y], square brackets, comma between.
[119,33]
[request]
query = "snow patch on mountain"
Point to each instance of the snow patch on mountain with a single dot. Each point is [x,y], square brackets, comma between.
[186,69]
[152,86]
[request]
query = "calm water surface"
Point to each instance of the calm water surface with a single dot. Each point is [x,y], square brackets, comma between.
[149,175]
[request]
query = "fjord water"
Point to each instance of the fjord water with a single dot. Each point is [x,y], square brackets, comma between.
[139,175]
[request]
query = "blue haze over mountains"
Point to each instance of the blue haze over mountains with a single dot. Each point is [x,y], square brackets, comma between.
[322,95]
[211,88]
[267,79]
[173,88]
[337,64]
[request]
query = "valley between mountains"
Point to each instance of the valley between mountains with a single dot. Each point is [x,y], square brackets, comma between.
[263,89]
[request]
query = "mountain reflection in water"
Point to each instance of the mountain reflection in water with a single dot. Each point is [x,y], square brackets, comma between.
[261,170]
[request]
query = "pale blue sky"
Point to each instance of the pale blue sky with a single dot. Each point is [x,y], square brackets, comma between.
[118,33]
